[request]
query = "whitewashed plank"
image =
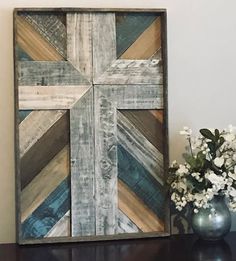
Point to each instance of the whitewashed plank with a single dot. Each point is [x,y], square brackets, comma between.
[125,225]
[52,175]
[33,127]
[62,227]
[133,96]
[105,166]
[132,72]
[82,166]
[32,73]
[140,148]
[104,42]
[49,97]
[79,42]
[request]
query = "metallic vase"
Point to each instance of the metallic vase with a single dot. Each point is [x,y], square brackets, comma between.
[214,222]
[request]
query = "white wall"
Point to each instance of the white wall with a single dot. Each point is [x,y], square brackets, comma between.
[202,72]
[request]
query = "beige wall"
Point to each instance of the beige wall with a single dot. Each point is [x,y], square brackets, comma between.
[202,73]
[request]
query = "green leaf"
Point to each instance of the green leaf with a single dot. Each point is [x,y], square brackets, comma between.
[190,160]
[207,134]
[217,134]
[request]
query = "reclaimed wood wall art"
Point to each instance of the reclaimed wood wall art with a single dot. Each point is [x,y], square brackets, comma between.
[91,124]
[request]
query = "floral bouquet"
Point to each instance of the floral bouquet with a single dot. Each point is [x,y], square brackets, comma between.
[209,170]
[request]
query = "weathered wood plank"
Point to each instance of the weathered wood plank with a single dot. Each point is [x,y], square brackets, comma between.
[105,165]
[141,182]
[104,42]
[34,126]
[147,44]
[133,96]
[82,166]
[33,44]
[158,114]
[49,74]
[61,228]
[21,55]
[129,26]
[48,213]
[79,42]
[139,147]
[23,114]
[148,125]
[50,97]
[132,72]
[125,225]
[44,183]
[44,150]
[51,28]
[134,208]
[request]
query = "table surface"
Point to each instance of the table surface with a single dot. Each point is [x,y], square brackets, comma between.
[183,247]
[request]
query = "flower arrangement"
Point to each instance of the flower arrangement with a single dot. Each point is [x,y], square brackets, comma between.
[209,170]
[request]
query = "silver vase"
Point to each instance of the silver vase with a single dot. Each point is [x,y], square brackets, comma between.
[214,222]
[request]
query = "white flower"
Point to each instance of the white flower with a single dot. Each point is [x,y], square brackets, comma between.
[219,161]
[229,137]
[182,169]
[186,131]
[195,210]
[233,192]
[232,175]
[231,128]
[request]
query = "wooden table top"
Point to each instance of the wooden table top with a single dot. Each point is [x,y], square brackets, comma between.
[184,247]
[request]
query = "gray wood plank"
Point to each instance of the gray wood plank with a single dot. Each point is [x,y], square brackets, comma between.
[104,42]
[125,225]
[132,72]
[105,165]
[140,148]
[133,96]
[51,28]
[62,227]
[79,42]
[82,166]
[49,74]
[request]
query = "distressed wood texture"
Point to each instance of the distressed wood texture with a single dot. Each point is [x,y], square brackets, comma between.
[44,149]
[133,96]
[34,126]
[82,166]
[62,227]
[51,28]
[49,74]
[147,44]
[49,97]
[140,148]
[133,207]
[104,43]
[36,192]
[105,165]
[79,42]
[33,44]
[132,72]
[125,225]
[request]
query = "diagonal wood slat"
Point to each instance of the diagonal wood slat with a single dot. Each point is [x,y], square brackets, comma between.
[125,225]
[61,228]
[33,43]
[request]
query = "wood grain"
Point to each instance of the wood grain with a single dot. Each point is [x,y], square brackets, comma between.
[44,183]
[50,28]
[33,127]
[104,43]
[49,74]
[133,96]
[33,44]
[82,166]
[44,150]
[50,97]
[125,225]
[132,72]
[61,228]
[134,208]
[105,165]
[79,42]
[147,44]
[139,147]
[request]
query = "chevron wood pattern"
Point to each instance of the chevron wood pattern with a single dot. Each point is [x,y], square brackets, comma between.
[91,124]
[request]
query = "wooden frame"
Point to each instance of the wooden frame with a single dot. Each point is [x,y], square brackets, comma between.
[81,114]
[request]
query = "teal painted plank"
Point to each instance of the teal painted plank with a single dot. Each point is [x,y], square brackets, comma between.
[21,55]
[140,181]
[129,26]
[48,213]
[23,114]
